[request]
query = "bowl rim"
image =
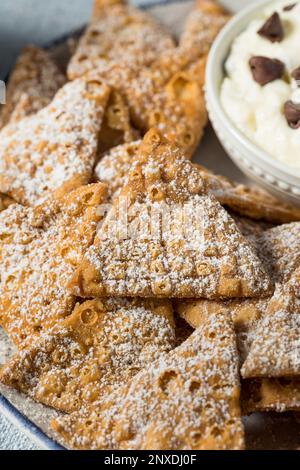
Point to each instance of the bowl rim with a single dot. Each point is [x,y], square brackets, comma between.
[213,94]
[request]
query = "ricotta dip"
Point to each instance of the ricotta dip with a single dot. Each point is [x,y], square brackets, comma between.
[261,90]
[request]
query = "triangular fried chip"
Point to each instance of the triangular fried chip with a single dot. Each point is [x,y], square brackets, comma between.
[187,400]
[102,345]
[115,165]
[279,251]
[166,237]
[249,201]
[278,395]
[32,85]
[39,251]
[54,148]
[252,203]
[275,352]
[120,35]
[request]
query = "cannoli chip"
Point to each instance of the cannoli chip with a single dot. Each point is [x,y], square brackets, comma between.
[279,251]
[275,352]
[116,127]
[280,395]
[54,148]
[177,241]
[115,165]
[122,35]
[202,26]
[249,201]
[32,85]
[39,252]
[100,346]
[187,400]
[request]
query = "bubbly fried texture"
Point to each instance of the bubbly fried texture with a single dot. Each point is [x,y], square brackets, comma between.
[5,202]
[257,208]
[275,352]
[56,148]
[187,400]
[102,345]
[166,90]
[116,127]
[191,248]
[40,249]
[248,201]
[279,251]
[115,165]
[264,394]
[121,36]
[32,85]
[202,26]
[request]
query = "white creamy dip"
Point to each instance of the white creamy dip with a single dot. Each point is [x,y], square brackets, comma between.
[258,111]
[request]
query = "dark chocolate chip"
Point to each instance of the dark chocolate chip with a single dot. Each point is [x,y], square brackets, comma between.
[292,114]
[265,70]
[272,29]
[289,7]
[296,74]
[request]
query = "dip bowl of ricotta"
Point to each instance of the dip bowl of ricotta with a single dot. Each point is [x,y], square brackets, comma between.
[253,94]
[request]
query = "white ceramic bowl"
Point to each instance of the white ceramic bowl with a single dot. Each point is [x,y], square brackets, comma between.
[281,180]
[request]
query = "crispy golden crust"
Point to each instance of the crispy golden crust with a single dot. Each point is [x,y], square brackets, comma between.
[275,352]
[32,85]
[202,26]
[116,127]
[166,90]
[5,202]
[39,251]
[251,202]
[101,345]
[278,395]
[279,251]
[121,35]
[204,257]
[188,399]
[54,148]
[115,165]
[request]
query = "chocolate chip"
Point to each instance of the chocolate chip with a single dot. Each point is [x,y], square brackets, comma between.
[265,70]
[272,29]
[296,74]
[289,7]
[292,114]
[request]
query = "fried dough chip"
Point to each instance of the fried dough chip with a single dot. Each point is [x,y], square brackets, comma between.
[5,202]
[278,395]
[187,400]
[39,251]
[114,167]
[279,251]
[250,227]
[166,91]
[54,148]
[32,85]
[101,346]
[275,352]
[202,26]
[116,127]
[121,36]
[166,237]
[251,202]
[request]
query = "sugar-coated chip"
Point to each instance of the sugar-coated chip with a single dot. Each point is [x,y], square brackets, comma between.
[187,400]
